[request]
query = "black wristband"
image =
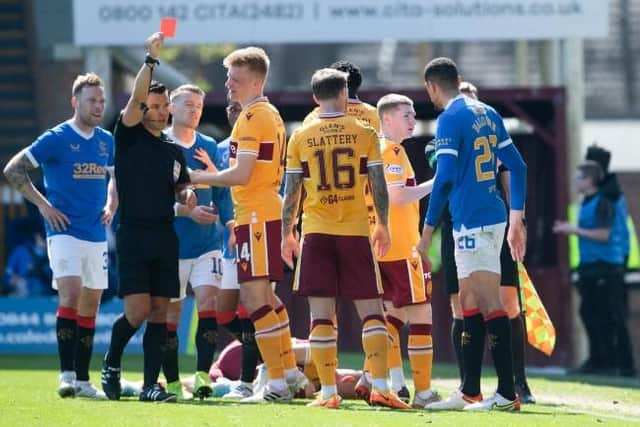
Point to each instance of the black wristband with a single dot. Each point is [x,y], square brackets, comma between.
[150,60]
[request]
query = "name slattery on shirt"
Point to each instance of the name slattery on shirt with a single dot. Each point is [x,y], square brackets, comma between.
[332,136]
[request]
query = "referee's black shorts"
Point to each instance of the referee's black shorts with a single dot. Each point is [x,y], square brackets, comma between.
[509,268]
[147,260]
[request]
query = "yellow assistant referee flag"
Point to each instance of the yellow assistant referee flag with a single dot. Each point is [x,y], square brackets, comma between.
[540,331]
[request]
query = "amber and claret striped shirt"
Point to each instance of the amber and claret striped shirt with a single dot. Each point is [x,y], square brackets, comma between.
[260,132]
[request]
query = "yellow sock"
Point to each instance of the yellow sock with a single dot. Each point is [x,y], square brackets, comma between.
[324,350]
[421,355]
[375,343]
[288,356]
[394,357]
[266,323]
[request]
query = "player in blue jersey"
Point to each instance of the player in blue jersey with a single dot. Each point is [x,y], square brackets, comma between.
[470,137]
[200,244]
[509,282]
[76,158]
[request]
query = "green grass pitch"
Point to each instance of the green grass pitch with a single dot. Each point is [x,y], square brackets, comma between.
[28,398]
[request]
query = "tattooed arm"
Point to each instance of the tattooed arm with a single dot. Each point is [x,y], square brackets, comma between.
[380,235]
[17,173]
[290,245]
[380,194]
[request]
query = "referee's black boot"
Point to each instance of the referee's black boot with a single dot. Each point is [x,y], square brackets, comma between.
[155,393]
[110,379]
[523,391]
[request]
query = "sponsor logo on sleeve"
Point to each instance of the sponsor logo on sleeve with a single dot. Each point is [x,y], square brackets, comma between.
[395,169]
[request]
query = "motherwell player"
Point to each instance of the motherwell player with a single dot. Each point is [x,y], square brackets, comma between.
[405,278]
[355,108]
[257,154]
[332,157]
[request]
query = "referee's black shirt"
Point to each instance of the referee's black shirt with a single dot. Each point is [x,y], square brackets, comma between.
[148,170]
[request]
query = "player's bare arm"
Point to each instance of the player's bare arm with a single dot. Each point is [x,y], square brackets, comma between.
[133,112]
[380,235]
[517,235]
[425,243]
[203,215]
[239,174]
[399,196]
[598,234]
[17,173]
[292,192]
[379,192]
[201,155]
[111,205]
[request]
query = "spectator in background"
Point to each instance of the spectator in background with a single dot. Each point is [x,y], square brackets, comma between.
[601,274]
[28,272]
[610,188]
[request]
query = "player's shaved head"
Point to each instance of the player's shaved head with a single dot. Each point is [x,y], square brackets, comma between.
[355,76]
[443,72]
[254,58]
[327,83]
[392,101]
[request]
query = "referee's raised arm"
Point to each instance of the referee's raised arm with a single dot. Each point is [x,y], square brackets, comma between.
[133,112]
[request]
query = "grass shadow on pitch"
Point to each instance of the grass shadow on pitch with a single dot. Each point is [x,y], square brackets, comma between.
[593,380]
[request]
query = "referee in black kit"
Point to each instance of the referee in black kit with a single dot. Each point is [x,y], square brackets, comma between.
[152,175]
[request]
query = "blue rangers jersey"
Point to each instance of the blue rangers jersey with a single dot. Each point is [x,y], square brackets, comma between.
[470,135]
[197,239]
[75,173]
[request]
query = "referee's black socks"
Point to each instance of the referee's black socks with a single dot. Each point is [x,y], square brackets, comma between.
[456,340]
[153,343]
[518,343]
[121,333]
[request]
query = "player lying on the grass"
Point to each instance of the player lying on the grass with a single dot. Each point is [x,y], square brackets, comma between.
[405,277]
[225,372]
[332,157]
